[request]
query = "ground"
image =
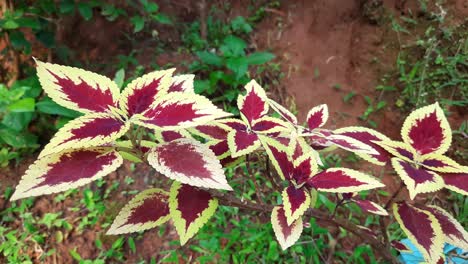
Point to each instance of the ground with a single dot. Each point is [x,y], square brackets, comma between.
[329,50]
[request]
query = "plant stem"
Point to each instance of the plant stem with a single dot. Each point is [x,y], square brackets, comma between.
[394,195]
[252,175]
[322,217]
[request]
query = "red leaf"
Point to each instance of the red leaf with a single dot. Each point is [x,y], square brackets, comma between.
[190,162]
[457,182]
[253,105]
[286,234]
[317,116]
[422,228]
[427,130]
[341,180]
[148,209]
[66,170]
[182,83]
[371,207]
[295,203]
[242,142]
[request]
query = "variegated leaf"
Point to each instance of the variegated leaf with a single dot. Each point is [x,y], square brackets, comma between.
[367,136]
[371,207]
[140,94]
[190,162]
[77,89]
[422,228]
[254,104]
[400,246]
[283,112]
[146,210]
[295,203]
[418,180]
[179,110]
[242,142]
[90,130]
[317,116]
[182,83]
[66,170]
[286,234]
[341,180]
[457,182]
[453,231]
[351,144]
[279,157]
[427,130]
[441,163]
[267,125]
[212,131]
[171,135]
[398,149]
[190,208]
[305,167]
[220,148]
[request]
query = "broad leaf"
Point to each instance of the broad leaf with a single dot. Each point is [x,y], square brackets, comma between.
[66,170]
[179,110]
[341,180]
[418,180]
[190,162]
[454,233]
[190,208]
[295,203]
[422,228]
[317,116]
[146,210]
[77,89]
[182,83]
[267,125]
[427,130]
[286,234]
[171,135]
[457,182]
[254,104]
[441,163]
[90,130]
[140,94]
[242,142]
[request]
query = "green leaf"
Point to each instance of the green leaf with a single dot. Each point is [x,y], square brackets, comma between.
[239,24]
[86,10]
[19,42]
[162,18]
[233,46]
[138,23]
[210,58]
[50,107]
[238,65]
[22,105]
[119,78]
[130,157]
[10,24]
[258,58]
[17,121]
[18,140]
[67,6]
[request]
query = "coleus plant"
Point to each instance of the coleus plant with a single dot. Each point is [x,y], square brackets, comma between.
[194,141]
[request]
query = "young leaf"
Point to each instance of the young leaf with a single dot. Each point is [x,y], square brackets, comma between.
[258,58]
[254,104]
[189,162]
[77,89]
[317,116]
[242,142]
[140,94]
[441,163]
[422,228]
[286,234]
[371,207]
[190,208]
[146,210]
[427,130]
[66,170]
